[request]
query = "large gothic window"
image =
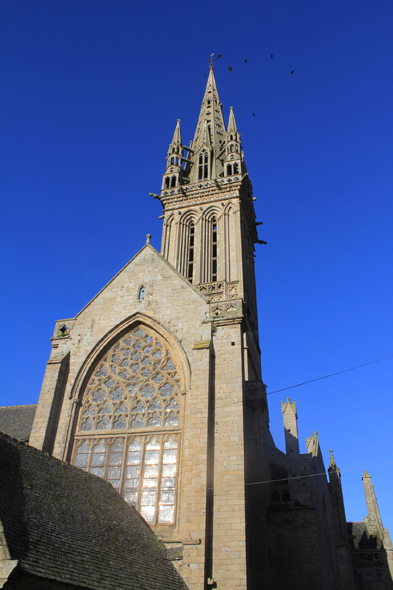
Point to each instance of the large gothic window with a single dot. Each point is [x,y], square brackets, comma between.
[128,428]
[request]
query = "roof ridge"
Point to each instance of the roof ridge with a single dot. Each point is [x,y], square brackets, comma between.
[19,406]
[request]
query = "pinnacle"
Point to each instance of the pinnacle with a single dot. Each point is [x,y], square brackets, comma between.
[232,123]
[365,474]
[177,136]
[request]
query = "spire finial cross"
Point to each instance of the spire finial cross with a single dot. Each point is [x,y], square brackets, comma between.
[212,59]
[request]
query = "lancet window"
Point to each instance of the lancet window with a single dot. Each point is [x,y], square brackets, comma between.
[190,256]
[128,428]
[214,250]
[203,167]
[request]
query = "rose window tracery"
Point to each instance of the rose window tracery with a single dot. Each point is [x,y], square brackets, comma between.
[130,402]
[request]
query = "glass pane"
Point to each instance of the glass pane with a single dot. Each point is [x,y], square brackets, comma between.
[88,425]
[170,456]
[172,420]
[132,472]
[131,484]
[104,424]
[90,411]
[171,443]
[153,444]
[148,498]
[169,470]
[166,514]
[130,497]
[168,482]
[139,333]
[115,483]
[172,406]
[120,423]
[98,459]
[98,471]
[106,409]
[151,471]
[138,422]
[135,446]
[114,473]
[148,513]
[149,483]
[118,446]
[81,460]
[155,420]
[167,498]
[134,458]
[147,391]
[152,457]
[166,390]
[115,458]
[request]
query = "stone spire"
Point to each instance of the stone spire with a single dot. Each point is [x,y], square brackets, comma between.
[372,504]
[210,130]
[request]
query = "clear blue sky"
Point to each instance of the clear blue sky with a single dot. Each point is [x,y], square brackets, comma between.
[90,94]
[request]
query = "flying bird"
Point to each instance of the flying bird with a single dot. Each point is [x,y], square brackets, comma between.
[253,114]
[218,56]
[271,55]
[293,71]
[245,61]
[229,68]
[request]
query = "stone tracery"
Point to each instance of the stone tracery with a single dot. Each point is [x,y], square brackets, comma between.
[131,401]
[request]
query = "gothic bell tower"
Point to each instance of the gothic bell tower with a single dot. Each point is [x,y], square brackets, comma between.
[210,228]
[209,236]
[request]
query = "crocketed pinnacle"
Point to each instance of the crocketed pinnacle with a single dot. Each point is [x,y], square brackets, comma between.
[177,136]
[232,123]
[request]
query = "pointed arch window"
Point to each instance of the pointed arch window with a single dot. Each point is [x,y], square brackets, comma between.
[141,293]
[167,180]
[128,426]
[214,257]
[190,252]
[229,170]
[173,181]
[203,167]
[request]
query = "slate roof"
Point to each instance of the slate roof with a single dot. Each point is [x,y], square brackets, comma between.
[17,421]
[64,524]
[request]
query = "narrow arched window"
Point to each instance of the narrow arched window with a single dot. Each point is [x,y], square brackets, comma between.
[167,182]
[172,160]
[231,147]
[200,167]
[173,183]
[236,168]
[141,293]
[128,428]
[229,170]
[190,253]
[213,250]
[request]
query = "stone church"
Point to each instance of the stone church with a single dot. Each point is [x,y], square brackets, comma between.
[156,387]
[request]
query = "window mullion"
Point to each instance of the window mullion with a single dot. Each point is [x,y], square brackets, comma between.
[141,472]
[159,477]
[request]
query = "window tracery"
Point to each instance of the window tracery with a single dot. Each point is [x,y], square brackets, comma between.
[131,401]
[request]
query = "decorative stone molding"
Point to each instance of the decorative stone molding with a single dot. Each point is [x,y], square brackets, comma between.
[219,291]
[226,310]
